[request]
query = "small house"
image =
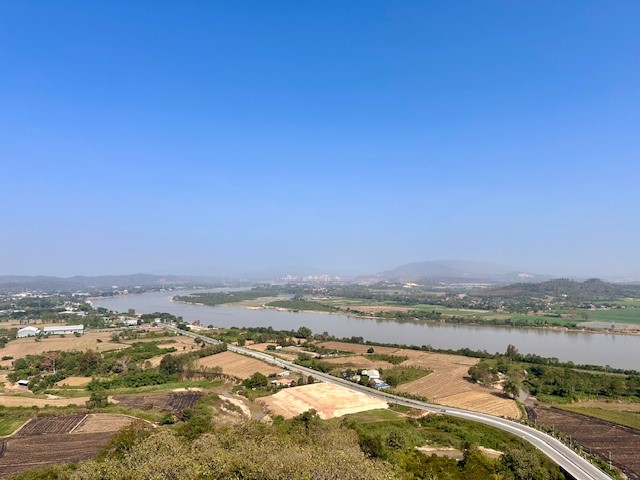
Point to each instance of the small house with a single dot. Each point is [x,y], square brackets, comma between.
[28,332]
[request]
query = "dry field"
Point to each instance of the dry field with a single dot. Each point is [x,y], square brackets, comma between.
[15,401]
[74,382]
[22,347]
[287,353]
[44,441]
[328,400]
[174,402]
[448,384]
[596,436]
[237,365]
[358,362]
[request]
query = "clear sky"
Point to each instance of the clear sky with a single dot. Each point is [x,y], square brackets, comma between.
[350,136]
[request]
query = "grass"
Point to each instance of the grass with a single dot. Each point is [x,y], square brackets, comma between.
[618,315]
[9,423]
[627,418]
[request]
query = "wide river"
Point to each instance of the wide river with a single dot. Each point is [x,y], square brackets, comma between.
[619,351]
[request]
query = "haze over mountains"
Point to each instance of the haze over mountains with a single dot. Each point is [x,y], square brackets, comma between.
[445,271]
[461,271]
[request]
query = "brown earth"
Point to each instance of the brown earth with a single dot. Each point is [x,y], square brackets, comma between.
[448,384]
[15,401]
[236,365]
[74,382]
[596,436]
[328,400]
[358,362]
[174,402]
[48,440]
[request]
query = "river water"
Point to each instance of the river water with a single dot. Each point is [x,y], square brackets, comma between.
[616,350]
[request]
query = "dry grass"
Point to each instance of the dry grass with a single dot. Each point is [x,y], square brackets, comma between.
[74,382]
[237,365]
[328,400]
[448,384]
[14,401]
[22,347]
[99,422]
[358,362]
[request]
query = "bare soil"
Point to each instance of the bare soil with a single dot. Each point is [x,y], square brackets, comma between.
[236,365]
[328,400]
[174,402]
[596,436]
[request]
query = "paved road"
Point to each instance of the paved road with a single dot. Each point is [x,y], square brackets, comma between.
[570,461]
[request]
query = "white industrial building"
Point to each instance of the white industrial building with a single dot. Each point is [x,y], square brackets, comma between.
[28,332]
[63,329]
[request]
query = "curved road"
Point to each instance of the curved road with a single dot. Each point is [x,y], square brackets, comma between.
[578,467]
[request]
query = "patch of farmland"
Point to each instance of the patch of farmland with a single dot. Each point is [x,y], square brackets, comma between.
[174,402]
[236,365]
[102,423]
[328,400]
[596,436]
[448,384]
[50,425]
[74,382]
[22,347]
[358,362]
[15,401]
[33,451]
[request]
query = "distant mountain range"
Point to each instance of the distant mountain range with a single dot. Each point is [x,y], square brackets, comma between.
[17,283]
[457,271]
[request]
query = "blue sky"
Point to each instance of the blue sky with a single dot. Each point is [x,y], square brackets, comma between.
[231,137]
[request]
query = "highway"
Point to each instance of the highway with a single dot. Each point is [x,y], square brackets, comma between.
[570,461]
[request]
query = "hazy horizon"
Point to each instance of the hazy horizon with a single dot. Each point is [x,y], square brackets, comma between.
[348,138]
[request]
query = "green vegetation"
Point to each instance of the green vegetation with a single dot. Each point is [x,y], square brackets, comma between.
[393,438]
[9,422]
[296,304]
[221,298]
[393,359]
[399,375]
[621,417]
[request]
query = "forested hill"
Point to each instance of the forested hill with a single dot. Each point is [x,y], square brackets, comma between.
[589,290]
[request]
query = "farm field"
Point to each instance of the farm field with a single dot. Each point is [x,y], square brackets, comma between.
[49,440]
[74,382]
[16,401]
[448,384]
[358,362]
[330,401]
[596,436]
[175,402]
[237,365]
[617,315]
[620,413]
[22,347]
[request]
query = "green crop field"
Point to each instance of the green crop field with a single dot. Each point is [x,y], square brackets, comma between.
[618,315]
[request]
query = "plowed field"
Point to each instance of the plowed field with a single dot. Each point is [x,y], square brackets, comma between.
[47,440]
[448,384]
[174,402]
[596,436]
[237,365]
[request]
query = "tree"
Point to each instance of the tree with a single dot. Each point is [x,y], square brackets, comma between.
[304,332]
[98,399]
[256,380]
[512,352]
[511,388]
